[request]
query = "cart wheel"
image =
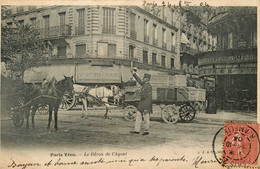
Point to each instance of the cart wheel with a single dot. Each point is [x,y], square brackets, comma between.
[187,113]
[130,113]
[18,119]
[68,102]
[170,114]
[43,110]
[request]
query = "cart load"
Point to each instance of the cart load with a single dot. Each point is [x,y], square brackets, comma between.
[176,100]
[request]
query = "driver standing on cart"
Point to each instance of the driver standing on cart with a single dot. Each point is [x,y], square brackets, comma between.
[145,105]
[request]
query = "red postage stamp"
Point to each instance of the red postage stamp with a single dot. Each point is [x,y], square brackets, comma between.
[241,144]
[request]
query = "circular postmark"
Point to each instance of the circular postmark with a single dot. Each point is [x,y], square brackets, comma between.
[240,144]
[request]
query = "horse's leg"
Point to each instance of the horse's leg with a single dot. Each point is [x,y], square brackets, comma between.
[108,112]
[50,116]
[34,108]
[56,108]
[84,108]
[27,114]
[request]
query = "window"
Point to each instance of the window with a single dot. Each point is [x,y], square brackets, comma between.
[80,30]
[21,22]
[46,21]
[106,50]
[62,18]
[172,63]
[109,20]
[33,21]
[154,34]
[80,50]
[164,38]
[163,35]
[132,21]
[61,50]
[20,9]
[163,61]
[146,27]
[145,57]
[131,52]
[173,42]
[230,41]
[112,50]
[153,58]
[32,8]
[146,37]
[225,41]
[132,26]
[46,25]
[62,23]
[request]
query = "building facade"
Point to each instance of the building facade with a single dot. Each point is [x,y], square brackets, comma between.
[95,43]
[234,62]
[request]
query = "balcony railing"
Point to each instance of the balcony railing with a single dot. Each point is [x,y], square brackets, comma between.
[109,30]
[56,31]
[189,50]
[133,34]
[146,39]
[155,42]
[164,45]
[80,30]
[172,48]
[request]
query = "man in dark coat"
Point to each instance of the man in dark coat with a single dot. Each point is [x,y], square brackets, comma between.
[145,105]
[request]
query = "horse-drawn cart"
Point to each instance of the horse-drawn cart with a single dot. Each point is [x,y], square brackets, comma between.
[175,100]
[18,100]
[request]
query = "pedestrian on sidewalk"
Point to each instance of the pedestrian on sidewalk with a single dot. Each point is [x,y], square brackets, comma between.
[211,98]
[145,105]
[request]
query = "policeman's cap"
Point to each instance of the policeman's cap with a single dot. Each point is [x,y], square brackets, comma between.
[146,75]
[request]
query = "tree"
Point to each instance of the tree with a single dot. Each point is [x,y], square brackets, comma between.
[23,45]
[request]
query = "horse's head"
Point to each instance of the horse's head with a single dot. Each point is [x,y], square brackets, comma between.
[68,84]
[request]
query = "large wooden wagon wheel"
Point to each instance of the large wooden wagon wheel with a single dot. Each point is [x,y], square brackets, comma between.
[18,116]
[68,101]
[130,113]
[187,113]
[43,109]
[170,114]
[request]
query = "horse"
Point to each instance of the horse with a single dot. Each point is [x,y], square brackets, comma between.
[50,95]
[117,94]
[97,95]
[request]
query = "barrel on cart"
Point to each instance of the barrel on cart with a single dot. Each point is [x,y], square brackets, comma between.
[175,99]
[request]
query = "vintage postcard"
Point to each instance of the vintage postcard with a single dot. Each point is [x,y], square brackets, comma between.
[129,84]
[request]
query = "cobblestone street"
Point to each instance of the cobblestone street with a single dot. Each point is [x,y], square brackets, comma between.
[76,132]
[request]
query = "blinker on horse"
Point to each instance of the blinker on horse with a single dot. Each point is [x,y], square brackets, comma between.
[51,96]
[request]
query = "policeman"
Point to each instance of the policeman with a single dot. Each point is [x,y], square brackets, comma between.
[145,105]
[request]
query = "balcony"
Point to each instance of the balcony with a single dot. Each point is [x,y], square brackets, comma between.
[80,30]
[172,48]
[133,34]
[155,42]
[189,50]
[56,31]
[164,45]
[109,30]
[146,39]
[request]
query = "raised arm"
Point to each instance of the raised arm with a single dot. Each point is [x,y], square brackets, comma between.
[138,79]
